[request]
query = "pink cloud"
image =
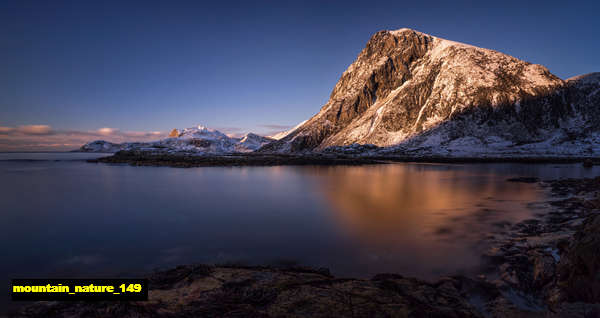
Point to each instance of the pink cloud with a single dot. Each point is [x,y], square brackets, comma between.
[6,130]
[107,131]
[34,129]
[44,138]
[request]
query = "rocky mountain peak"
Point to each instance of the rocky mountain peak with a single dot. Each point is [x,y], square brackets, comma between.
[405,84]
[251,136]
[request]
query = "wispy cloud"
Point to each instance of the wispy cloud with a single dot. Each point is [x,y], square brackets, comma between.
[234,132]
[273,129]
[45,138]
[276,127]
[26,130]
[6,130]
[106,131]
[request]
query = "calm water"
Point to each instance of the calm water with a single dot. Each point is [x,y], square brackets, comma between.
[66,217]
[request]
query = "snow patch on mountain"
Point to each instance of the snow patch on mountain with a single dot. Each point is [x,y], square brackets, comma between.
[283,134]
[251,142]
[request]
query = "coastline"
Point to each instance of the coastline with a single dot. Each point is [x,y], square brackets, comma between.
[545,267]
[185,160]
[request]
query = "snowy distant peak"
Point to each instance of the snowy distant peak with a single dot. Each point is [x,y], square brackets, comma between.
[200,140]
[204,129]
[251,142]
[249,137]
[202,132]
[101,146]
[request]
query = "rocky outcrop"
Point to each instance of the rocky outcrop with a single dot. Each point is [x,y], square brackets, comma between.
[554,260]
[579,271]
[235,291]
[414,90]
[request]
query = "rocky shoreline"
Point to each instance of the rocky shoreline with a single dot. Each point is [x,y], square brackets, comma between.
[184,160]
[543,267]
[554,260]
[187,160]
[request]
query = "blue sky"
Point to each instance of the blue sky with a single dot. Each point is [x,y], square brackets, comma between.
[238,66]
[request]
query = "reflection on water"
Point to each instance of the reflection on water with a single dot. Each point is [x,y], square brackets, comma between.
[72,218]
[422,220]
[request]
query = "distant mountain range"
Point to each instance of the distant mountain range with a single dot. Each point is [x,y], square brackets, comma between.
[415,94]
[199,140]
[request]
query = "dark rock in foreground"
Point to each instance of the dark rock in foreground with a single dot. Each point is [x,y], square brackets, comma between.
[205,291]
[579,272]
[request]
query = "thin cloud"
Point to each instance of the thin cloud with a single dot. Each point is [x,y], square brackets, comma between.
[142,134]
[276,127]
[232,132]
[6,130]
[229,129]
[35,130]
[107,131]
[44,138]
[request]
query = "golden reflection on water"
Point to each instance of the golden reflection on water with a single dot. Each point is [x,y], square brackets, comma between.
[426,212]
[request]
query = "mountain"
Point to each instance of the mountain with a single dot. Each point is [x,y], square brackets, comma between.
[251,142]
[102,146]
[199,140]
[419,94]
[283,134]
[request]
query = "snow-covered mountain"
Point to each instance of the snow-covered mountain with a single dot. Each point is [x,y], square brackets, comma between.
[283,134]
[416,93]
[199,140]
[102,146]
[251,142]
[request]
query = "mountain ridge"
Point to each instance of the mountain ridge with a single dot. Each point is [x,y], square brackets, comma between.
[406,83]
